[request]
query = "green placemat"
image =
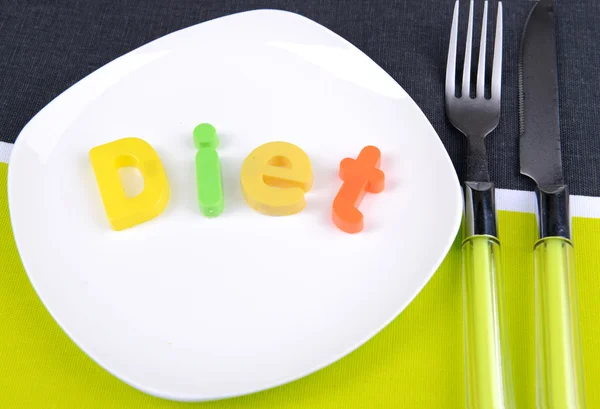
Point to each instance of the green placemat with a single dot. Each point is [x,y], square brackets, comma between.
[415,362]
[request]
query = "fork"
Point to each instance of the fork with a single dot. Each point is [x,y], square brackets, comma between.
[487,361]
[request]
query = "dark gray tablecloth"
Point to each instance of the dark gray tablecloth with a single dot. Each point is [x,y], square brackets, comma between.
[46,46]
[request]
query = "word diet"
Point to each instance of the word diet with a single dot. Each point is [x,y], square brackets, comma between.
[274,178]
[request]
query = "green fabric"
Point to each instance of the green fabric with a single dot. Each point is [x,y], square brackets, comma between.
[416,362]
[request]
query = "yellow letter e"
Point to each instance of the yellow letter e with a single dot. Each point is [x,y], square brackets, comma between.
[274,178]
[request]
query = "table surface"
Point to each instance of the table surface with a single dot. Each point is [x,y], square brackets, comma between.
[47,46]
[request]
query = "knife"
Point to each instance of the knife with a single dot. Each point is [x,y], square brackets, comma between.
[559,367]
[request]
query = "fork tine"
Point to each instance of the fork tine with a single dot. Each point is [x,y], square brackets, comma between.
[466,82]
[497,64]
[481,62]
[451,63]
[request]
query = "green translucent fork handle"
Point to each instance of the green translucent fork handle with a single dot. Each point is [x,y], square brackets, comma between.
[559,370]
[487,365]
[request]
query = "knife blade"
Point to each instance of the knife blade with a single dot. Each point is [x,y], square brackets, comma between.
[540,152]
[559,367]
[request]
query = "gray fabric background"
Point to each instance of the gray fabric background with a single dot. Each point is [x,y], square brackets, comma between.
[46,46]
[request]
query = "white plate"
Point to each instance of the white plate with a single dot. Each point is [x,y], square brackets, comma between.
[190,308]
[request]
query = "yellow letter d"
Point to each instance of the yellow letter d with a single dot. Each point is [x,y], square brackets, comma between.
[123,211]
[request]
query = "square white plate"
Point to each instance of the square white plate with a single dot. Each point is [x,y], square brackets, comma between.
[190,308]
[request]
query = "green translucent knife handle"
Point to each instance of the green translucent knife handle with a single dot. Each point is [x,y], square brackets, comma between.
[559,370]
[487,371]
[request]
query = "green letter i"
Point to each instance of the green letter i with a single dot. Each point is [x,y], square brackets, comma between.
[208,170]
